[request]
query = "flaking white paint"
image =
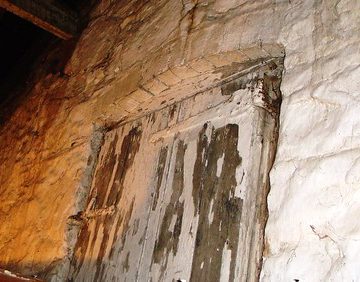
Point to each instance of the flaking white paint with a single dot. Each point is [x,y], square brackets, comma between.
[314,181]
[225,264]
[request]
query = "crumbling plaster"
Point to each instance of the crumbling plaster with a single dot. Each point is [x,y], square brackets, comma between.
[312,232]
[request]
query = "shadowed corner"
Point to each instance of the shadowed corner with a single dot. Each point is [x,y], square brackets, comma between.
[27,47]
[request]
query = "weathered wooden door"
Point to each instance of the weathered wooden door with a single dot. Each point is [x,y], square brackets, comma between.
[180,194]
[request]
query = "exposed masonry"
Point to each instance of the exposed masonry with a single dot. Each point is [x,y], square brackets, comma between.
[160,205]
[196,75]
[74,222]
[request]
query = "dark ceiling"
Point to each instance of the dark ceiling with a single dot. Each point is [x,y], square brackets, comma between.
[18,38]
[22,43]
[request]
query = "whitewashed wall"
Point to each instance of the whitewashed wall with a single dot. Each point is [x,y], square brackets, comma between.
[312,233]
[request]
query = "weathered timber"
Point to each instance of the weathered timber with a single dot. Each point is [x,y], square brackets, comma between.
[180,194]
[216,191]
[49,15]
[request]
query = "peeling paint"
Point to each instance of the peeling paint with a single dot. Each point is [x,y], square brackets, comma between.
[227,212]
[160,174]
[219,165]
[180,193]
[168,241]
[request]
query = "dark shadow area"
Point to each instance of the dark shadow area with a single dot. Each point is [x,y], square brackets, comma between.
[22,44]
[23,54]
[81,7]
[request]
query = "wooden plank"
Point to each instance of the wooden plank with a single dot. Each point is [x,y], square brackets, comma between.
[205,227]
[49,15]
[110,244]
[191,195]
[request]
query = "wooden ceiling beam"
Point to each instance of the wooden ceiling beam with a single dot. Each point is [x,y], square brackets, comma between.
[47,14]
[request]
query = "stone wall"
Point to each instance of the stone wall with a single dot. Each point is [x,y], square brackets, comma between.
[50,144]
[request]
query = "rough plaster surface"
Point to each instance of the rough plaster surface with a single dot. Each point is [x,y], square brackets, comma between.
[181,192]
[312,233]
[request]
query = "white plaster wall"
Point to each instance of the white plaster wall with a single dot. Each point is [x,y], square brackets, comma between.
[313,230]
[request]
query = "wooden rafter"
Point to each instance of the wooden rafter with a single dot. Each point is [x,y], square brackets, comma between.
[49,15]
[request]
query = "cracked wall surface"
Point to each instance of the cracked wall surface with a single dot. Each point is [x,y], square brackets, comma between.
[180,193]
[143,47]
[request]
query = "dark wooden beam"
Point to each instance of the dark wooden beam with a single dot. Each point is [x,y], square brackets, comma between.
[47,14]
